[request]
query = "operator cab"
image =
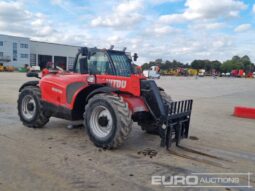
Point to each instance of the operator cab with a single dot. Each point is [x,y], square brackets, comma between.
[104,62]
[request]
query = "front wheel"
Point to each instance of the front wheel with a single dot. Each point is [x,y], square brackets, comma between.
[30,108]
[108,120]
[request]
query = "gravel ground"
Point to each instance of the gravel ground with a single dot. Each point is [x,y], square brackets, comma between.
[57,158]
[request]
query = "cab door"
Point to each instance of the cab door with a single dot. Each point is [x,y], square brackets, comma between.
[124,79]
[115,70]
[99,64]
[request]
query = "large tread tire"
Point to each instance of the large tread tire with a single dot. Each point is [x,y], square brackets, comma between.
[40,118]
[122,121]
[153,128]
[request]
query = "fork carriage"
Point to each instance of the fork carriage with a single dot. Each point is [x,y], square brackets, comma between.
[177,123]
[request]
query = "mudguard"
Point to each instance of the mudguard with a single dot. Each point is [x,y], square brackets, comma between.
[30,83]
[103,89]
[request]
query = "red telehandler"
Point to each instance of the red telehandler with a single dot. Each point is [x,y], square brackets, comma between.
[104,91]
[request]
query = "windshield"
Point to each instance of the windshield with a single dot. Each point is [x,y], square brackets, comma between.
[121,63]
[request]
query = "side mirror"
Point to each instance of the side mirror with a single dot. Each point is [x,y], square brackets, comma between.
[33,74]
[135,56]
[84,51]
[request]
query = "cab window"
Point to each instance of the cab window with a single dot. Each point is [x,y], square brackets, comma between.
[121,63]
[99,64]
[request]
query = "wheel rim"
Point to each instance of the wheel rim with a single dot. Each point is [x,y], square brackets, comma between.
[101,122]
[28,107]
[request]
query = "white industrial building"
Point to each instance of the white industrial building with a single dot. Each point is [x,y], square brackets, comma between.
[18,51]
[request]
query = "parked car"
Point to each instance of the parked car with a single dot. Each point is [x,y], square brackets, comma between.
[151,74]
[35,69]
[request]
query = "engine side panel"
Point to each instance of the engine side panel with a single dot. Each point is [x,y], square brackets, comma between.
[61,89]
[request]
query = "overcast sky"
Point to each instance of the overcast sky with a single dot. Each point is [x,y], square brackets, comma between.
[170,29]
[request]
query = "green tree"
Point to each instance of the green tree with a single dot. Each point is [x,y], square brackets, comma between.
[238,63]
[198,64]
[235,63]
[216,65]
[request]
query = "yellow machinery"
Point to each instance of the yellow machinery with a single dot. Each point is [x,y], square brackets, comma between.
[180,72]
[192,72]
[172,72]
[6,68]
[1,67]
[9,68]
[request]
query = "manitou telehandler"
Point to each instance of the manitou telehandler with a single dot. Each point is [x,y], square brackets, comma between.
[104,91]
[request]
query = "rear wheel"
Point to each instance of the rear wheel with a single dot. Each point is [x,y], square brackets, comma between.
[153,128]
[30,108]
[108,120]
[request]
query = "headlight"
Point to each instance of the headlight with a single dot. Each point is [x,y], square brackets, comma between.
[91,79]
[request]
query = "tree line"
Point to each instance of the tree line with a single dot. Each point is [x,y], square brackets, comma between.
[236,63]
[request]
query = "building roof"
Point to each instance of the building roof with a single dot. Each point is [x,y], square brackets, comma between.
[14,36]
[55,43]
[38,41]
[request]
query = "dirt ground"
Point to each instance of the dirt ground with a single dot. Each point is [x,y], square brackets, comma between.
[57,158]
